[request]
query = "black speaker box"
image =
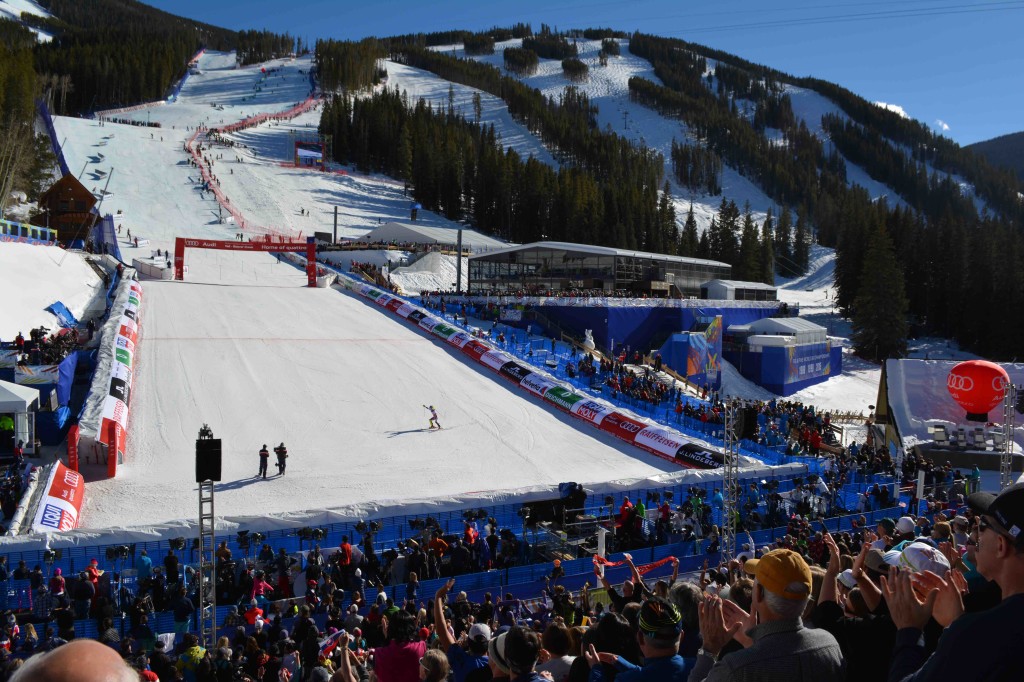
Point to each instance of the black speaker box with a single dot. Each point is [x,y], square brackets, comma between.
[208,460]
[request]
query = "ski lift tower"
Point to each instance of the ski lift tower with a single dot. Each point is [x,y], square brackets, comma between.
[730,464]
[1006,456]
[207,473]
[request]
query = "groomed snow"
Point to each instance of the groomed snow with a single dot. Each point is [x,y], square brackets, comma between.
[41,276]
[244,347]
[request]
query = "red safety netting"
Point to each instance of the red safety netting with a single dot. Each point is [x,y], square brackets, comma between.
[208,179]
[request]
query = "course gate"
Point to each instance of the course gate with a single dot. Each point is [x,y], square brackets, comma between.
[309,246]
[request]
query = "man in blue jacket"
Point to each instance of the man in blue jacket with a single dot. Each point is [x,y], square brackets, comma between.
[659,627]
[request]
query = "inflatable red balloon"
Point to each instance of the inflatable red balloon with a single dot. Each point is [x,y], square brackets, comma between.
[978,386]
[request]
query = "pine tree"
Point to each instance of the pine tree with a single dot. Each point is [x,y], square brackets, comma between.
[880,309]
[767,251]
[689,244]
[749,266]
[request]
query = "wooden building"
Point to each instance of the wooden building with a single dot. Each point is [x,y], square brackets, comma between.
[67,207]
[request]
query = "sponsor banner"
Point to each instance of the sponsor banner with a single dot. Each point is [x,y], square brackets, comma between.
[124,343]
[515,372]
[73,447]
[494,359]
[660,440]
[416,315]
[9,358]
[36,375]
[394,304]
[445,331]
[476,350]
[124,356]
[131,314]
[699,456]
[621,426]
[460,340]
[62,503]
[406,309]
[122,373]
[563,397]
[384,299]
[592,411]
[128,332]
[428,324]
[537,384]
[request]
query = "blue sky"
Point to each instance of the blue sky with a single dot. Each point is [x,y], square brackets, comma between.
[955,65]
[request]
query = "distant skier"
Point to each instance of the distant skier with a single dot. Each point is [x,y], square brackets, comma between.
[264,459]
[282,458]
[433,417]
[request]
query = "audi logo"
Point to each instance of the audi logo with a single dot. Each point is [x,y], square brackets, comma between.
[958,382]
[999,383]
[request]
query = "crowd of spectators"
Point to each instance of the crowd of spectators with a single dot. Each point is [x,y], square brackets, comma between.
[926,598]
[43,348]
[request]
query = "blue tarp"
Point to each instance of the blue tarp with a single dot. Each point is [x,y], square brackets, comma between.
[63,315]
[66,377]
[44,113]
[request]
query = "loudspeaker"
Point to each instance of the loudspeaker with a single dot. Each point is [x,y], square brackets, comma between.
[208,460]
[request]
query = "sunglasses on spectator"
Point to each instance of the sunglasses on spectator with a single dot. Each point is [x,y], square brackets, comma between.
[984,524]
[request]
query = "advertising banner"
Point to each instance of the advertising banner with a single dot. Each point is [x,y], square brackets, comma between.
[73,447]
[514,371]
[445,331]
[590,410]
[562,397]
[36,375]
[537,384]
[660,440]
[62,502]
[416,315]
[460,340]
[495,359]
[621,426]
[475,349]
[9,358]
[405,309]
[394,304]
[699,456]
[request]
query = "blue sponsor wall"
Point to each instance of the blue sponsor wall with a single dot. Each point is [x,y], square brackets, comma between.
[784,370]
[638,327]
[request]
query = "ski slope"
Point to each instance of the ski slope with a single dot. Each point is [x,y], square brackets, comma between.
[243,346]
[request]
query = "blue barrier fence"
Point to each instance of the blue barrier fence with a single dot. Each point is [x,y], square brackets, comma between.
[105,236]
[44,113]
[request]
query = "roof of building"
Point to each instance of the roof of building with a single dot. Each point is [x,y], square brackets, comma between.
[69,185]
[784,325]
[426,234]
[600,251]
[737,284]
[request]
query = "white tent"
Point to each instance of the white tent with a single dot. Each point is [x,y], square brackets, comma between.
[427,234]
[21,402]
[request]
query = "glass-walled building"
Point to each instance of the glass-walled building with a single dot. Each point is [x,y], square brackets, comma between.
[543,267]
